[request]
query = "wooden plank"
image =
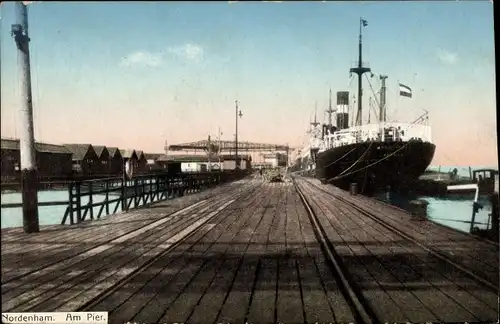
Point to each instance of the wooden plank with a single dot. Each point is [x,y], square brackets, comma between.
[289,300]
[457,305]
[88,275]
[262,305]
[289,307]
[207,310]
[153,299]
[317,308]
[102,282]
[480,256]
[137,283]
[61,285]
[395,273]
[96,231]
[45,274]
[337,302]
[235,307]
[177,203]
[212,302]
[180,308]
[384,306]
[23,265]
[370,258]
[454,277]
[403,269]
[191,298]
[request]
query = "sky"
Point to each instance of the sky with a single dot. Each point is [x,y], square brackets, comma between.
[137,74]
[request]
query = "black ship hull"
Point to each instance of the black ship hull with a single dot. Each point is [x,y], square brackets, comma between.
[386,164]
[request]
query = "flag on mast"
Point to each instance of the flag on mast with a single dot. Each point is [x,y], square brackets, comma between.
[404,90]
[364,22]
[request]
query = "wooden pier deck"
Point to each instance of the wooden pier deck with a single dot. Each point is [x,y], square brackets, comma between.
[250,251]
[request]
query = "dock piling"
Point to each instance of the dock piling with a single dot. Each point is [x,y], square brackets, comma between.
[353,189]
[494,214]
[418,209]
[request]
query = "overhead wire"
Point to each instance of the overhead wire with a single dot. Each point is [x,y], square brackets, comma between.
[375,96]
[340,158]
[340,176]
[355,162]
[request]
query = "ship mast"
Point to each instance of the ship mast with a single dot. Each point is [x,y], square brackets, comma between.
[314,123]
[383,90]
[369,109]
[360,70]
[330,111]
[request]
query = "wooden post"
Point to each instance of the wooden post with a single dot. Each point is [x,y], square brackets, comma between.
[27,137]
[494,214]
[135,193]
[106,199]
[78,194]
[71,203]
[144,194]
[91,198]
[124,188]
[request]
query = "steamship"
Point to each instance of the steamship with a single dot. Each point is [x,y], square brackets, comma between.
[374,155]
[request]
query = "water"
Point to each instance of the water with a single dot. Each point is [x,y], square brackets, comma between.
[462,171]
[52,215]
[456,211]
[48,215]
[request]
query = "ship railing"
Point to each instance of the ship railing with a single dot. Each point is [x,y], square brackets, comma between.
[315,143]
[383,132]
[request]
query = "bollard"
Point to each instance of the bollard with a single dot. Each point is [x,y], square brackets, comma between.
[353,189]
[418,209]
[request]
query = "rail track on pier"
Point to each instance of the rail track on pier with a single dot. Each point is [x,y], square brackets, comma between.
[383,260]
[253,252]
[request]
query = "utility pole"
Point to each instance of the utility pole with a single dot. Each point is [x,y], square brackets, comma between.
[26,132]
[220,149]
[238,114]
[209,154]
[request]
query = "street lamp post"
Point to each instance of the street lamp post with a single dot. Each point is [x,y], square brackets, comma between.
[238,114]
[219,149]
[209,154]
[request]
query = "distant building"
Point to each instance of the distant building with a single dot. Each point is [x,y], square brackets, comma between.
[189,163]
[262,165]
[275,159]
[85,160]
[116,164]
[230,161]
[141,166]
[162,161]
[102,166]
[151,161]
[130,160]
[53,161]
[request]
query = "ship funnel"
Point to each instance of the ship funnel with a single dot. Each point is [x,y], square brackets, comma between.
[342,109]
